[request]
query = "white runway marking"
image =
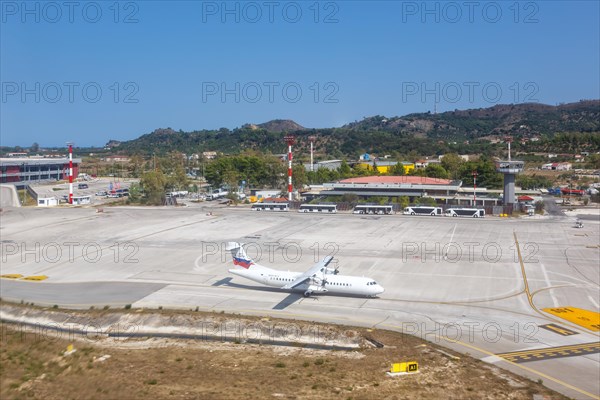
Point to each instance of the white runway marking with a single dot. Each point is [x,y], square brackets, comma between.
[554,301]
[593,301]
[451,237]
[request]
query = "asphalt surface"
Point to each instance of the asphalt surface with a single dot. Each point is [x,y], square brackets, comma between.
[552,208]
[81,295]
[479,286]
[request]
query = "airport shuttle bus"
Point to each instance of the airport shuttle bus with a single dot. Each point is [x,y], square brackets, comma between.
[270,207]
[423,210]
[373,209]
[465,212]
[323,208]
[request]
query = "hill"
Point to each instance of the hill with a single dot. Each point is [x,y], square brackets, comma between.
[520,120]
[281,125]
[464,131]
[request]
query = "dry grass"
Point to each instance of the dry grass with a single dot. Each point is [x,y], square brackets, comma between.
[34,368]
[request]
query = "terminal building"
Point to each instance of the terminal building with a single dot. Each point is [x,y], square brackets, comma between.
[443,191]
[23,170]
[394,186]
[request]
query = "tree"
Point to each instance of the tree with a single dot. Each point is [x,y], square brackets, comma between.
[539,206]
[135,166]
[427,201]
[436,171]
[299,178]
[452,163]
[345,170]
[398,170]
[404,201]
[349,198]
[34,147]
[135,192]
[487,176]
[154,184]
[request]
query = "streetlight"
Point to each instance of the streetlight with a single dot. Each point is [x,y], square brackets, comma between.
[474,173]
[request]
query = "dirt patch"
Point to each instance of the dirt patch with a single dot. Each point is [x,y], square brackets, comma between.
[33,366]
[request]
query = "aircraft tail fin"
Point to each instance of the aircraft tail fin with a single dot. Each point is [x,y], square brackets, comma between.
[240,258]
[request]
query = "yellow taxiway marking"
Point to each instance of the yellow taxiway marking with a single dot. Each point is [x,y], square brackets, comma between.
[35,278]
[561,330]
[11,276]
[551,352]
[585,318]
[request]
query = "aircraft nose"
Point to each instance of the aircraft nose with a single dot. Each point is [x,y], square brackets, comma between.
[380,289]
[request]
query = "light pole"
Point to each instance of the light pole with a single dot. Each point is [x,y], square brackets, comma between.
[474,173]
[312,141]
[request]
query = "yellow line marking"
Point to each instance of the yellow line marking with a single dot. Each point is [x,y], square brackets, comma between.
[533,371]
[11,276]
[584,318]
[558,348]
[527,292]
[35,278]
[559,329]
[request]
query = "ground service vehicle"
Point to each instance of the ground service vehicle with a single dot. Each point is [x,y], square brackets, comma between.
[270,207]
[324,208]
[217,194]
[423,210]
[465,212]
[373,209]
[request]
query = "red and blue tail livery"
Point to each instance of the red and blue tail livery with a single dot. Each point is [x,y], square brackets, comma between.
[242,263]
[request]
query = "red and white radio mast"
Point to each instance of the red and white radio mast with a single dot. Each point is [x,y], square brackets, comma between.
[70,172]
[290,140]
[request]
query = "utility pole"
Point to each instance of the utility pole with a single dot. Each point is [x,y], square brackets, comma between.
[312,141]
[474,173]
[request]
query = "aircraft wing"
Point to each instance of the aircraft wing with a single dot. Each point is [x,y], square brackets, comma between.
[310,273]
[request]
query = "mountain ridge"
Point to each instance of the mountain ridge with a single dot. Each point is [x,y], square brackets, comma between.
[417,130]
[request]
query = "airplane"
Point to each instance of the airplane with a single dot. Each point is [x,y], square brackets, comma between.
[318,279]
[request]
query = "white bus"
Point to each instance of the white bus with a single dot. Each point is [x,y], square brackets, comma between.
[423,210]
[373,209]
[466,212]
[324,208]
[270,207]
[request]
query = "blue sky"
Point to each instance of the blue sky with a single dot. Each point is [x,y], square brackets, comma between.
[106,70]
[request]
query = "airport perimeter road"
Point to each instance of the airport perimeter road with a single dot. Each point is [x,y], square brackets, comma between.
[522,294]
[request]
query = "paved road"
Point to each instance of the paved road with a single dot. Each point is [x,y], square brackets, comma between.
[80,295]
[552,208]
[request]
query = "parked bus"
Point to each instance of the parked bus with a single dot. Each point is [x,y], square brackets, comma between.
[465,212]
[423,210]
[373,209]
[325,208]
[270,207]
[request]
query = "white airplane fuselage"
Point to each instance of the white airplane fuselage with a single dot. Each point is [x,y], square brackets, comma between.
[340,284]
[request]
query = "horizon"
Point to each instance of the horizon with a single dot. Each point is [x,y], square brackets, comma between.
[106,71]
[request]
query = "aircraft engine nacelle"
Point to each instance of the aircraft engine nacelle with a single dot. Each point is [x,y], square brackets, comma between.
[331,271]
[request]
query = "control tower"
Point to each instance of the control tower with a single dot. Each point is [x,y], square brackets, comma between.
[510,169]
